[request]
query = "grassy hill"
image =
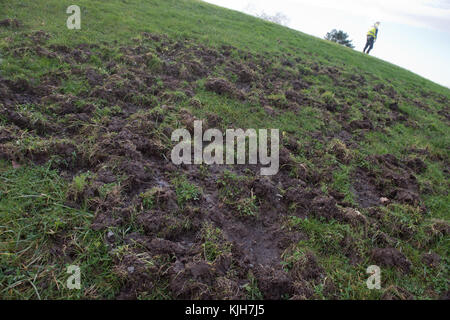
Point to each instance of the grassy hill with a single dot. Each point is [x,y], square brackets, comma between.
[86,178]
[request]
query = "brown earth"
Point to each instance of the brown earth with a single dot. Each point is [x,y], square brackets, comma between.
[128,146]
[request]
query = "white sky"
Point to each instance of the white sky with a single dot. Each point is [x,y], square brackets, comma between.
[414,34]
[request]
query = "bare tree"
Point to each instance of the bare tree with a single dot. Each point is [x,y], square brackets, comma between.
[279,18]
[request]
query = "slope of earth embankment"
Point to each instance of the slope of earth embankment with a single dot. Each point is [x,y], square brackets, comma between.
[86,118]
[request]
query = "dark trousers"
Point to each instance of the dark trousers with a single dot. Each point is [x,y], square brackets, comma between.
[369,44]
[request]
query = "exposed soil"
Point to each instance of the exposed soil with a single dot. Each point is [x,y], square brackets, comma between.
[391,179]
[126,146]
[391,257]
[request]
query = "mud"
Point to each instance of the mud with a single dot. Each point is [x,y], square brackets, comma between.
[222,86]
[431,260]
[118,131]
[365,189]
[391,257]
[14,23]
[397,293]
[393,179]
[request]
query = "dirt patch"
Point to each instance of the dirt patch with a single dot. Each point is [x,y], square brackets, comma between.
[431,260]
[361,124]
[397,181]
[257,243]
[393,179]
[396,293]
[364,189]
[14,23]
[274,284]
[307,268]
[391,257]
[222,86]
[417,165]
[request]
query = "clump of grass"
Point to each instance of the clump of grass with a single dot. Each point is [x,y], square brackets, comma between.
[229,186]
[247,206]
[214,243]
[278,100]
[185,191]
[342,183]
[230,193]
[402,221]
[153,62]
[253,292]
[149,197]
[328,98]
[78,185]
[340,150]
[108,188]
[108,111]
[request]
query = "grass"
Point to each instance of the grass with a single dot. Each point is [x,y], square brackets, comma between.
[185,191]
[214,244]
[342,184]
[36,219]
[185,19]
[325,239]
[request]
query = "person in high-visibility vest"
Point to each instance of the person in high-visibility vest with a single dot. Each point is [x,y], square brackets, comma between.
[371,38]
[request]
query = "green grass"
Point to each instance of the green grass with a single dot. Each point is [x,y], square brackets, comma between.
[34,221]
[342,184]
[37,218]
[186,19]
[325,241]
[185,191]
[213,243]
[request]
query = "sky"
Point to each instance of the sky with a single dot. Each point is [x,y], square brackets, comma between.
[414,34]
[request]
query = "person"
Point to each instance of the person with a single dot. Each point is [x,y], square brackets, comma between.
[371,38]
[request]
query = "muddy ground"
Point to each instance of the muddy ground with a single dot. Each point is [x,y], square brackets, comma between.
[204,247]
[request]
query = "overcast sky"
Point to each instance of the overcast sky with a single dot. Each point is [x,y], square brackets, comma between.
[414,34]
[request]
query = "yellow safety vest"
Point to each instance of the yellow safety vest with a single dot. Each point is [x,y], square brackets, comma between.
[372,32]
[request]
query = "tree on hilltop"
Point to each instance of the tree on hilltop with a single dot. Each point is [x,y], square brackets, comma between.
[339,37]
